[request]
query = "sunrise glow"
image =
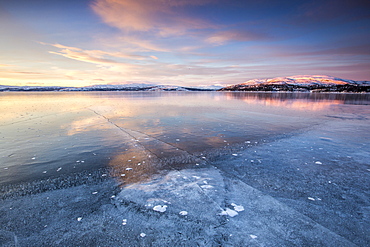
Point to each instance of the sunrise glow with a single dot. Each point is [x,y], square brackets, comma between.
[189,43]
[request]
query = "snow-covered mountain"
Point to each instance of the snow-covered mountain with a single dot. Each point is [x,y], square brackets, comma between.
[321,83]
[318,83]
[123,87]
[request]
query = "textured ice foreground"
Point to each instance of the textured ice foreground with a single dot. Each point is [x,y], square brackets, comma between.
[303,182]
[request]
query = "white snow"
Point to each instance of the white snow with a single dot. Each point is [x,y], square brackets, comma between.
[229,212]
[160,208]
[237,208]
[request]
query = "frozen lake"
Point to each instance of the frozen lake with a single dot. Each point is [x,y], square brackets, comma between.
[189,168]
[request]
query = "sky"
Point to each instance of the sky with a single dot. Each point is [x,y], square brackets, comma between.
[183,42]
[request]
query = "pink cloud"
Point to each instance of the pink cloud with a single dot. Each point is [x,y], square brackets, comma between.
[144,15]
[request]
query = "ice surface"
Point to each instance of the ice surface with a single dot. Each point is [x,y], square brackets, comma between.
[262,187]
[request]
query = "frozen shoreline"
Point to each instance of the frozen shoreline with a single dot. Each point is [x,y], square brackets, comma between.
[317,194]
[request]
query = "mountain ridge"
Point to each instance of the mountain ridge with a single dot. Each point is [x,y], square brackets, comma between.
[300,83]
[312,83]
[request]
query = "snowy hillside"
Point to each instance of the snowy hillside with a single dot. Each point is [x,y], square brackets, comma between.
[302,83]
[123,87]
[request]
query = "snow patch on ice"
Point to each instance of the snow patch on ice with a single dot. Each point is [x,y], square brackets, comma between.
[229,212]
[206,186]
[238,208]
[160,208]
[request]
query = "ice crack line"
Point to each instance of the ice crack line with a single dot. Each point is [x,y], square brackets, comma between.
[124,131]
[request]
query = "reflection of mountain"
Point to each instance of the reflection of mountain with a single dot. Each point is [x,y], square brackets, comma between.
[314,83]
[262,97]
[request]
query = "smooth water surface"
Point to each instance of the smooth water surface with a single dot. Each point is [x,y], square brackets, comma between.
[47,134]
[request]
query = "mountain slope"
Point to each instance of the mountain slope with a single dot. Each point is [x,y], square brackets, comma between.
[318,83]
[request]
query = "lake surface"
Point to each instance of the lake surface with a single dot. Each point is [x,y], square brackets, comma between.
[48,134]
[184,168]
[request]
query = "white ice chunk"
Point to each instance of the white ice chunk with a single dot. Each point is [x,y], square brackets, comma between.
[237,208]
[183,213]
[122,175]
[33,158]
[142,234]
[60,168]
[124,221]
[128,169]
[79,218]
[206,186]
[229,212]
[234,154]
[252,236]
[310,198]
[95,192]
[318,163]
[44,172]
[160,208]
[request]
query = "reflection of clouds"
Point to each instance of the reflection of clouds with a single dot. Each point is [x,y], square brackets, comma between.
[23,106]
[86,124]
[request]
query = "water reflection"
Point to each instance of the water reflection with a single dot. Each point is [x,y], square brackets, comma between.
[173,128]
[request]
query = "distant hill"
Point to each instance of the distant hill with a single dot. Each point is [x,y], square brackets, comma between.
[124,87]
[312,83]
[304,83]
